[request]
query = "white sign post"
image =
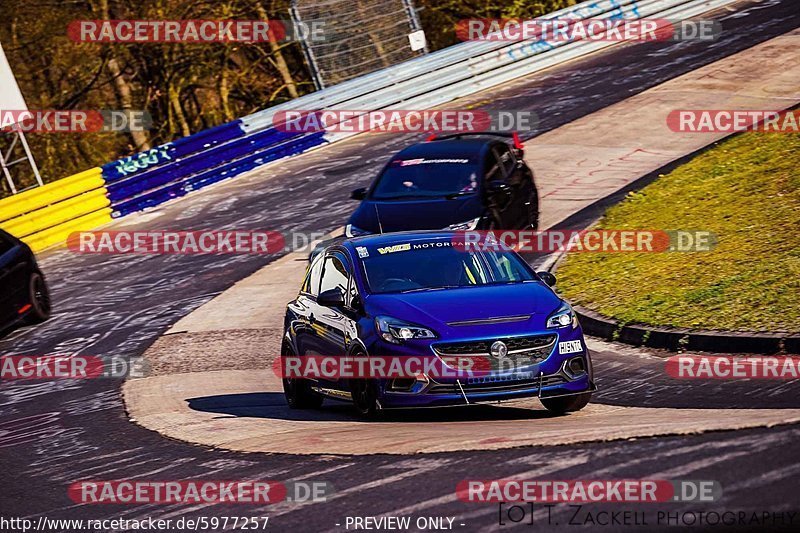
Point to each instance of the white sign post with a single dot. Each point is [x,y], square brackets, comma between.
[417,40]
[11,100]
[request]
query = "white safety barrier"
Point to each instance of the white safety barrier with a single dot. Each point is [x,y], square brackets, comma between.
[470,67]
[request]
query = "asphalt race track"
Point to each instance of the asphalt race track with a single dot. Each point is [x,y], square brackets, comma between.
[53,433]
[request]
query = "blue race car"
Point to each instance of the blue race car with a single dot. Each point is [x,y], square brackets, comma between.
[420,294]
[461,182]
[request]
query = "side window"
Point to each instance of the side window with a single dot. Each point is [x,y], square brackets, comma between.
[334,275]
[311,283]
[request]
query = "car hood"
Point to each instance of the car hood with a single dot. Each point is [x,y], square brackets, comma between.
[438,308]
[417,214]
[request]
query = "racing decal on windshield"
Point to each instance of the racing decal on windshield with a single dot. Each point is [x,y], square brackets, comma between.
[395,248]
[423,161]
[434,244]
[570,347]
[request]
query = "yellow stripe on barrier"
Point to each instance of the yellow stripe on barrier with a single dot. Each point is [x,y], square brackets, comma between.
[54,192]
[57,213]
[58,234]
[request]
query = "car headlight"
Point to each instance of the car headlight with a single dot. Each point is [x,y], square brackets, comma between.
[562,318]
[396,331]
[354,231]
[469,225]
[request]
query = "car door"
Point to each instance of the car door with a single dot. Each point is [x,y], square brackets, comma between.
[330,324]
[302,311]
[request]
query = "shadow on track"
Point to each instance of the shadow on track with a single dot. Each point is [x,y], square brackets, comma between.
[273,405]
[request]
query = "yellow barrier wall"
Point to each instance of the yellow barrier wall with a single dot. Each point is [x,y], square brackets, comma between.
[57,191]
[58,213]
[46,215]
[58,234]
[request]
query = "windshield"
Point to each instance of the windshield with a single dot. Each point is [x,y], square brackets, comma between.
[435,265]
[427,177]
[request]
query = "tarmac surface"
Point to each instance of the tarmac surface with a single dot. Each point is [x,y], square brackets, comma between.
[53,433]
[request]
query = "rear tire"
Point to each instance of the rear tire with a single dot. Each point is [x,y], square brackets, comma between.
[567,404]
[298,392]
[39,298]
[299,395]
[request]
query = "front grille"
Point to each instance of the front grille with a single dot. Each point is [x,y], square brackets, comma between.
[495,384]
[522,352]
[482,347]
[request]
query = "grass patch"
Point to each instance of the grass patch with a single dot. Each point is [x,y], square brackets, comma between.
[746,190]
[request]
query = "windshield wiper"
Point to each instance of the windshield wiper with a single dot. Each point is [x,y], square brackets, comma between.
[422,289]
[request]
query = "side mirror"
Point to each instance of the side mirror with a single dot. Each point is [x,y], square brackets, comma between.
[355,303]
[331,298]
[359,194]
[548,278]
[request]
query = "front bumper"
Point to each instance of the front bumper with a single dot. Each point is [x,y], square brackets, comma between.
[449,394]
[552,376]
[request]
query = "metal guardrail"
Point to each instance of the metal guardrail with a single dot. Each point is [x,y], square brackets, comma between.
[174,169]
[423,73]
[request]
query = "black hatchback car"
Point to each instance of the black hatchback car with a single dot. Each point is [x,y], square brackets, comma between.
[456,182]
[24,296]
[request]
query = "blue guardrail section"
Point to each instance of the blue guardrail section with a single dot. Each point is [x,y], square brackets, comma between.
[174,169]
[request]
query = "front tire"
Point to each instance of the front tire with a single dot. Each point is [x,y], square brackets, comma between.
[365,398]
[567,404]
[39,298]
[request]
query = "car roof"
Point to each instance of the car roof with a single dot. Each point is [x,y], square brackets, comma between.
[458,147]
